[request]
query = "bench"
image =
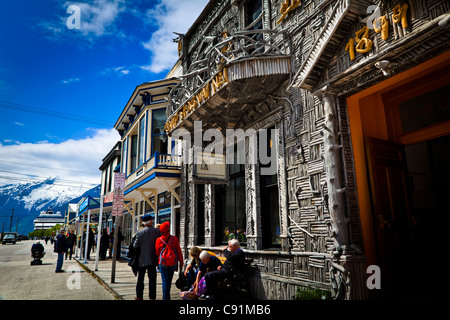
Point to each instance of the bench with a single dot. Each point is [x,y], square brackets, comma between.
[238,284]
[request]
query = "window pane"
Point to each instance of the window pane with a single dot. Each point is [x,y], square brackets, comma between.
[141,140]
[425,110]
[124,157]
[133,153]
[159,136]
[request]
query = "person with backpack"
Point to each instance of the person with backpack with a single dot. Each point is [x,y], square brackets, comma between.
[169,252]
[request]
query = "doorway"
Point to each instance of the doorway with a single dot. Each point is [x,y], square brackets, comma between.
[401,141]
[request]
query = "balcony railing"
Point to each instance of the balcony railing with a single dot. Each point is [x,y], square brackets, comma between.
[243,45]
[167,160]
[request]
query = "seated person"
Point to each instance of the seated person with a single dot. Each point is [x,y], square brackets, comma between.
[192,269]
[209,263]
[234,263]
[39,248]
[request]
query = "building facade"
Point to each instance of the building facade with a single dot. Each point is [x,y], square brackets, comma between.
[348,99]
[152,170]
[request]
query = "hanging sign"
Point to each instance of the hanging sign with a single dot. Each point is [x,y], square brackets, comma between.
[119,185]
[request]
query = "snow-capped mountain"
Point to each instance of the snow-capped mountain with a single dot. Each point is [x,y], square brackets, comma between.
[29,199]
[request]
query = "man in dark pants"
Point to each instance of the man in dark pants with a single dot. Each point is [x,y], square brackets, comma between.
[60,248]
[71,239]
[234,263]
[146,241]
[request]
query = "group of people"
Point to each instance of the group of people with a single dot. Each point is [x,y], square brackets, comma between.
[107,242]
[206,270]
[154,247]
[64,246]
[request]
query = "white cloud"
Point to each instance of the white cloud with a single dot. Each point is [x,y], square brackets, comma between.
[119,70]
[169,16]
[70,80]
[98,16]
[75,160]
[20,124]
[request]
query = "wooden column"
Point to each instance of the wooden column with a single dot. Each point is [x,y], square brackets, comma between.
[191,202]
[252,201]
[210,215]
[332,148]
[282,188]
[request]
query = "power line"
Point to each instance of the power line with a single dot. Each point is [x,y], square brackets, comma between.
[54,183]
[40,177]
[32,165]
[49,113]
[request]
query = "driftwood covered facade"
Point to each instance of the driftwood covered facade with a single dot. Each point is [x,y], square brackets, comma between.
[320,73]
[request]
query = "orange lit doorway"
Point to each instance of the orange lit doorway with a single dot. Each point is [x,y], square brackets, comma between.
[401,142]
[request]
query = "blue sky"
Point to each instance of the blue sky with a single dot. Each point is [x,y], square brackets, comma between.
[89,73]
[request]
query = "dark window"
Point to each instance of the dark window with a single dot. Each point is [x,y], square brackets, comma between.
[159,135]
[141,141]
[254,9]
[231,219]
[133,152]
[201,214]
[270,209]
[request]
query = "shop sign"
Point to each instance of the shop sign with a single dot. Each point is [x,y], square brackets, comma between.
[208,90]
[361,43]
[210,167]
[119,185]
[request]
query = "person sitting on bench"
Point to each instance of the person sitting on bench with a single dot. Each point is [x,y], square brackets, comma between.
[234,263]
[208,263]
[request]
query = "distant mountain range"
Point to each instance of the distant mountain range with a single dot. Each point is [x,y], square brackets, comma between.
[29,199]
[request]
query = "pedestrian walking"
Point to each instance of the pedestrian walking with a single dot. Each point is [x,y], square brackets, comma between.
[111,243]
[91,243]
[146,242]
[71,238]
[104,244]
[60,248]
[169,252]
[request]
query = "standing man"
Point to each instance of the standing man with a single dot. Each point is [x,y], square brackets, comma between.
[60,248]
[71,238]
[146,241]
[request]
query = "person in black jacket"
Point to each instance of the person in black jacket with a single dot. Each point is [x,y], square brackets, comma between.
[71,239]
[104,244]
[147,260]
[234,263]
[60,248]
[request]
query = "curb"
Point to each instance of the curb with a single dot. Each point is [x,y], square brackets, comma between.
[117,296]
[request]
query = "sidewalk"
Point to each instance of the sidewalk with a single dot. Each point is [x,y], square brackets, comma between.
[124,287]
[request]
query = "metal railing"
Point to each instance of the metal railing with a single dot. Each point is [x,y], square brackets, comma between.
[240,46]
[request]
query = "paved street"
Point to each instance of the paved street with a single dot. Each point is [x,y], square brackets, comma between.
[20,281]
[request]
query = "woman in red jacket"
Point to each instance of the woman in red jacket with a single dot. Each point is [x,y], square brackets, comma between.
[169,252]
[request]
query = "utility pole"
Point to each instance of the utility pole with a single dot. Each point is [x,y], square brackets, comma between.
[12,215]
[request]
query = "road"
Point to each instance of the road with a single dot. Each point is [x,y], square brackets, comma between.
[20,281]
